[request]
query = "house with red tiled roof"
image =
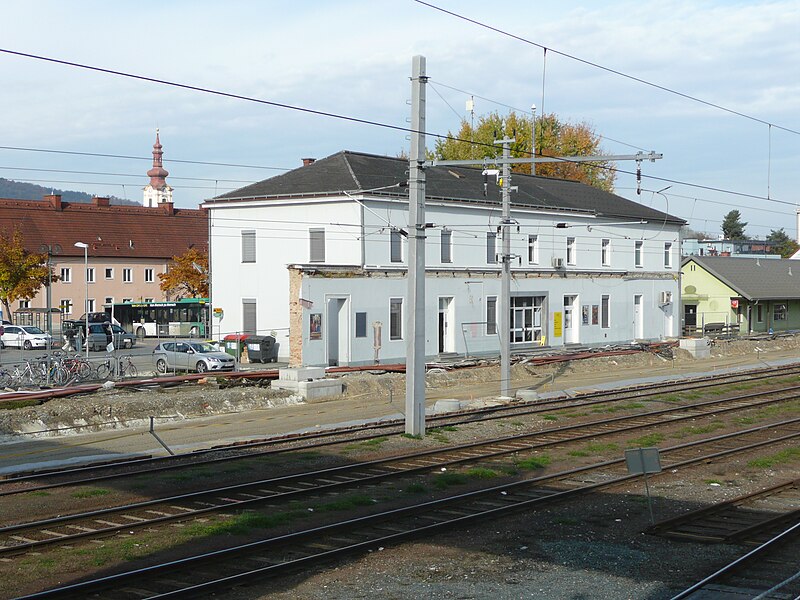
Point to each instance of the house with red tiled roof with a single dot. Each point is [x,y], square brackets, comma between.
[128,246]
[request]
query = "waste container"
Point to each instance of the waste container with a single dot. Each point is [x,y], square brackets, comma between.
[234,343]
[262,348]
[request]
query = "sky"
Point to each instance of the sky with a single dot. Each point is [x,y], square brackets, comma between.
[353,58]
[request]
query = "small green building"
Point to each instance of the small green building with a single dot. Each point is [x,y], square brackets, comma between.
[751,295]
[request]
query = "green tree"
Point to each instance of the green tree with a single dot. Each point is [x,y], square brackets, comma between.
[733,227]
[187,276]
[22,273]
[782,243]
[553,138]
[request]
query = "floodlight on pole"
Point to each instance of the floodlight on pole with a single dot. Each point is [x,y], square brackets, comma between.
[85,247]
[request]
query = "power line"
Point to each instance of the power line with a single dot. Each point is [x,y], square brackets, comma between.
[607,69]
[122,174]
[184,187]
[176,160]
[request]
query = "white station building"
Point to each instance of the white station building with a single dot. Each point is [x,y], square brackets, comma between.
[317,258]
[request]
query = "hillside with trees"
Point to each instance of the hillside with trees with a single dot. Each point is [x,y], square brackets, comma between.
[19,190]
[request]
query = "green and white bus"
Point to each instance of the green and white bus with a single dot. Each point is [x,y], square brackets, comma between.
[187,317]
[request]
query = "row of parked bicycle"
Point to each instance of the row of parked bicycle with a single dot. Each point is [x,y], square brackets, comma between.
[63,369]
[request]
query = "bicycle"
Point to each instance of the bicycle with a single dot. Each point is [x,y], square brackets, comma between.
[108,368]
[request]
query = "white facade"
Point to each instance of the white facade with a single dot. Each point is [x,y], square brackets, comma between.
[576,279]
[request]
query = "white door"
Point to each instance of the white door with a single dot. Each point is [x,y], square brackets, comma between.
[337,331]
[446,333]
[571,325]
[638,317]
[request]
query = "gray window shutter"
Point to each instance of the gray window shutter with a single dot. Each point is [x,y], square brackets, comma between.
[447,238]
[249,324]
[248,246]
[396,247]
[491,248]
[316,245]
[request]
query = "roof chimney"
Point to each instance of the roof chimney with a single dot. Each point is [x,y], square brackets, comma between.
[168,207]
[100,201]
[54,200]
[308,161]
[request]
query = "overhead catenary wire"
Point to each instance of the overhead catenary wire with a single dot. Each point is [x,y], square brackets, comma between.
[607,69]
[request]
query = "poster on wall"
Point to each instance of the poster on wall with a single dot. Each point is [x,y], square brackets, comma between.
[595,313]
[585,314]
[315,326]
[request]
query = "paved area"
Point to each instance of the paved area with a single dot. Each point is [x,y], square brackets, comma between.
[192,434]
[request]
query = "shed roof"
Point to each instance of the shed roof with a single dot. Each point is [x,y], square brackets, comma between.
[359,172]
[754,278]
[110,231]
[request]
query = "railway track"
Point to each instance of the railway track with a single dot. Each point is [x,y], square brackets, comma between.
[752,518]
[769,571]
[198,575]
[26,482]
[67,529]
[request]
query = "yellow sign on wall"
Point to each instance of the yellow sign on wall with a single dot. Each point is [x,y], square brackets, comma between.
[557,324]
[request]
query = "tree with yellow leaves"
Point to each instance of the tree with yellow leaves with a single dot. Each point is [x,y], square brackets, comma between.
[187,276]
[22,273]
[553,138]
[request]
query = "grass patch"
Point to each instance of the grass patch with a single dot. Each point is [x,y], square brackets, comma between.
[783,457]
[592,449]
[710,481]
[534,462]
[518,423]
[550,418]
[39,493]
[651,439]
[411,436]
[415,488]
[367,444]
[698,429]
[241,524]
[481,473]
[128,549]
[12,404]
[90,493]
[612,408]
[745,421]
[445,428]
[448,478]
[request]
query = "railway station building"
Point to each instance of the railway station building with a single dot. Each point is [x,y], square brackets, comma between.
[317,257]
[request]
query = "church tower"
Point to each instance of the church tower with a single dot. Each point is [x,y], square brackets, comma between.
[158,190]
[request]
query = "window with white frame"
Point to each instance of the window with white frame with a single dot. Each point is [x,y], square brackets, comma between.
[780,312]
[395,318]
[637,253]
[148,299]
[109,273]
[491,248]
[109,301]
[667,255]
[491,315]
[605,253]
[90,275]
[23,304]
[65,304]
[395,246]
[148,276]
[248,246]
[533,249]
[316,241]
[124,300]
[446,245]
[760,313]
[571,251]
[66,275]
[127,275]
[90,305]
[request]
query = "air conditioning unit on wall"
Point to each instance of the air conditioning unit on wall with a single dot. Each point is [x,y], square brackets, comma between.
[665,298]
[557,262]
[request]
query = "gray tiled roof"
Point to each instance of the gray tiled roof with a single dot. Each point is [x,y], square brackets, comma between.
[354,171]
[754,278]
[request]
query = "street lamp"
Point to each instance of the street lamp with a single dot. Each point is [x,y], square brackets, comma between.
[86,299]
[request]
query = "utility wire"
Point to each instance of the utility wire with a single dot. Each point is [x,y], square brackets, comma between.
[121,174]
[607,69]
[176,160]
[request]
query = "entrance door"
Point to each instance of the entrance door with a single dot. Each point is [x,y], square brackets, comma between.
[638,317]
[337,331]
[571,331]
[689,318]
[446,333]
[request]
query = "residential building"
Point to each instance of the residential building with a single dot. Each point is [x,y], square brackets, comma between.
[318,258]
[128,246]
[754,294]
[723,247]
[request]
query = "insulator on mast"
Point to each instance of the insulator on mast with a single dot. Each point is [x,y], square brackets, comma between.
[638,178]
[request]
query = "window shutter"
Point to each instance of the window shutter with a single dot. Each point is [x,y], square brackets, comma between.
[317,245]
[248,246]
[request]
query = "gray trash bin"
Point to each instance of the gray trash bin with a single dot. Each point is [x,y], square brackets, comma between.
[261,348]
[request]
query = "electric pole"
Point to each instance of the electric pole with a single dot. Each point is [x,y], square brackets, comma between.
[505,281]
[415,315]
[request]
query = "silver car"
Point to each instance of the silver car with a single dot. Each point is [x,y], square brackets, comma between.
[191,355]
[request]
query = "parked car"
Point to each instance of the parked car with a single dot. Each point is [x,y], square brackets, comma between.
[191,355]
[122,339]
[100,334]
[25,336]
[95,317]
